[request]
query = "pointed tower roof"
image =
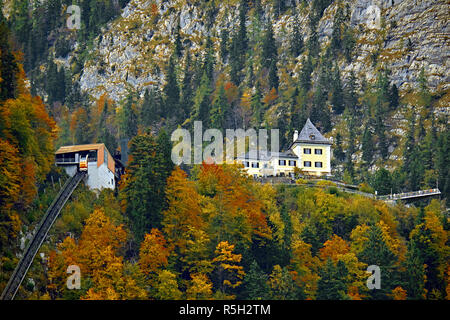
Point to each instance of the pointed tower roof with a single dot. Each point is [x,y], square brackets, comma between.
[310,134]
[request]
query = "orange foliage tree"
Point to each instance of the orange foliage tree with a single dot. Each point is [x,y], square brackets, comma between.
[153,253]
[27,134]
[233,211]
[184,211]
[103,273]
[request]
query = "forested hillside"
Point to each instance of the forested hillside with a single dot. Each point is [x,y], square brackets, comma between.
[380,93]
[137,70]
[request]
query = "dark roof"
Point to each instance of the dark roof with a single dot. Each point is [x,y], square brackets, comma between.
[266,156]
[310,134]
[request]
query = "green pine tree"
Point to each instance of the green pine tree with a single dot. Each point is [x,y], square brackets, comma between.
[224,45]
[338,152]
[367,146]
[255,284]
[178,50]
[415,273]
[202,101]
[269,47]
[332,284]
[305,74]
[376,252]
[297,43]
[129,119]
[143,191]
[273,75]
[257,107]
[171,92]
[219,109]
[337,97]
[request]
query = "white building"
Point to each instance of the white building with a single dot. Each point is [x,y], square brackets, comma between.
[309,151]
[103,170]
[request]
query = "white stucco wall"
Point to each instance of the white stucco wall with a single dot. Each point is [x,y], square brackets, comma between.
[98,178]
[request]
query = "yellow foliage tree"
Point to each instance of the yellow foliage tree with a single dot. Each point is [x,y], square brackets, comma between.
[96,253]
[184,210]
[228,270]
[305,268]
[199,288]
[167,286]
[234,212]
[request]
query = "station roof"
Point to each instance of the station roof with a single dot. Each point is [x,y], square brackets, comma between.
[79,147]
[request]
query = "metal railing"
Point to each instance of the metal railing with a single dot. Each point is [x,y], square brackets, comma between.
[65,160]
[412,194]
[41,232]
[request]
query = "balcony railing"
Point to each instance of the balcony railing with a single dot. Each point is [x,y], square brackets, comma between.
[65,160]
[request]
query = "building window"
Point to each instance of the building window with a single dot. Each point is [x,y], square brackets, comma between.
[246,164]
[318,151]
[92,156]
[282,162]
[307,151]
[318,164]
[307,163]
[106,156]
[292,163]
[255,164]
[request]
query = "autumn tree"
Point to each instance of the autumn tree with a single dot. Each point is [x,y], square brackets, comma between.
[184,208]
[281,284]
[199,288]
[304,266]
[428,241]
[97,254]
[337,249]
[228,273]
[167,287]
[153,253]
[233,212]
[184,225]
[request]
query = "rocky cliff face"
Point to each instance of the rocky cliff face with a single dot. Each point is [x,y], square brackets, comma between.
[416,35]
[404,35]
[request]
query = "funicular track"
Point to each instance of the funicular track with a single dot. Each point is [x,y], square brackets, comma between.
[39,236]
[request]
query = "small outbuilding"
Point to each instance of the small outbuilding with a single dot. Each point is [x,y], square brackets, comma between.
[103,170]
